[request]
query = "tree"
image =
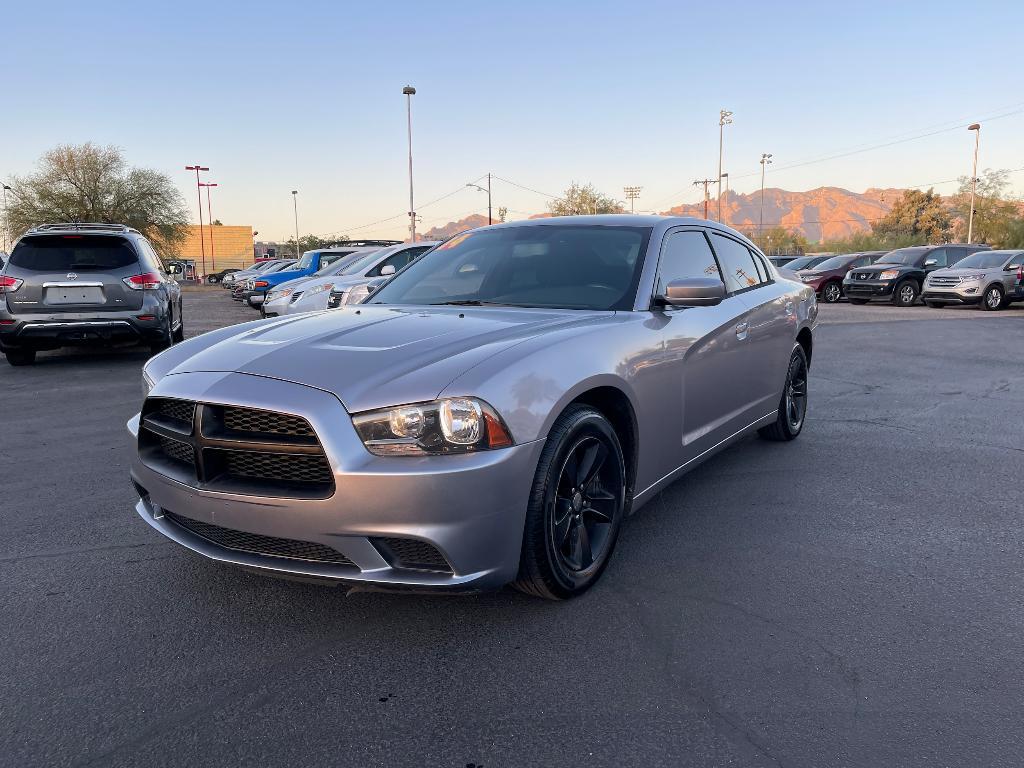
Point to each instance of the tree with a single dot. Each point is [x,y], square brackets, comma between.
[581,201]
[311,243]
[89,183]
[995,213]
[779,240]
[922,216]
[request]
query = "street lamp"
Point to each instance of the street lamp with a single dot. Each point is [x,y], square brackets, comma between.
[490,219]
[7,220]
[209,216]
[409,92]
[976,127]
[723,217]
[295,205]
[724,119]
[199,195]
[766,160]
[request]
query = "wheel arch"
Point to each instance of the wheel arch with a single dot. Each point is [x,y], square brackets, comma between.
[806,340]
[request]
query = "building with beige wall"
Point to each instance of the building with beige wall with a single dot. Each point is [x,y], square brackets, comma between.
[232,247]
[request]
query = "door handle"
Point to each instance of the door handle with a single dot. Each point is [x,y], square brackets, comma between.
[741,331]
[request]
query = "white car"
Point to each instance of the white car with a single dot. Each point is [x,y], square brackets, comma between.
[380,263]
[281,296]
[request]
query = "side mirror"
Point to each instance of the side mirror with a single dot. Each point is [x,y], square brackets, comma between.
[1012,267]
[693,292]
[174,269]
[930,262]
[387,269]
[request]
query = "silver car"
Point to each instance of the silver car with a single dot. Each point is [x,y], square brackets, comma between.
[279,298]
[380,263]
[492,415]
[987,279]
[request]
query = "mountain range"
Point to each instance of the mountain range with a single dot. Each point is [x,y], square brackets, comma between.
[839,212]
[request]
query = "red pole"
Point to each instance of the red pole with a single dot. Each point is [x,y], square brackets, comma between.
[202,241]
[209,217]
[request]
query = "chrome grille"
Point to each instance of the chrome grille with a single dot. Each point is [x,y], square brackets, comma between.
[944,281]
[255,543]
[234,449]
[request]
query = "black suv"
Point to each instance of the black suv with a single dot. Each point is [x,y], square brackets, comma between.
[85,284]
[898,276]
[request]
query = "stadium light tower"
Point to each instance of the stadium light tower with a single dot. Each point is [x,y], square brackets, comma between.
[724,119]
[409,92]
[766,160]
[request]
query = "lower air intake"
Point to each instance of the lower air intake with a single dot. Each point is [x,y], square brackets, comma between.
[412,554]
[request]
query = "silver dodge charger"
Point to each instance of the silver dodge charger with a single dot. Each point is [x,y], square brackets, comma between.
[489,416]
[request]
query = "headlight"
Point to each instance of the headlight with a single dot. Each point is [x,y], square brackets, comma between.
[283,293]
[356,294]
[451,425]
[971,278]
[889,274]
[808,278]
[319,289]
[147,384]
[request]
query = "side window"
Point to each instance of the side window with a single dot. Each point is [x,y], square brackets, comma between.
[149,258]
[863,261]
[737,264]
[685,255]
[762,268]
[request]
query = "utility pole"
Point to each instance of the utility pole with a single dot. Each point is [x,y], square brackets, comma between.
[490,218]
[199,194]
[295,205]
[705,182]
[766,160]
[976,127]
[632,193]
[724,119]
[724,216]
[209,216]
[409,92]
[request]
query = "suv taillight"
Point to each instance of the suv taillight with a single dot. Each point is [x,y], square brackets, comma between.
[147,280]
[9,284]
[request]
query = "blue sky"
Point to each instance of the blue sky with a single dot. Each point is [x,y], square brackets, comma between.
[307,96]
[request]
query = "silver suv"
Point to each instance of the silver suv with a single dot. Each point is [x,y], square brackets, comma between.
[86,284]
[986,279]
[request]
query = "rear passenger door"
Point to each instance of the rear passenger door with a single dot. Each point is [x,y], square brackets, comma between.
[771,324]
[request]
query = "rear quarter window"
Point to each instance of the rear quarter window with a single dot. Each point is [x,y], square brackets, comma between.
[73,253]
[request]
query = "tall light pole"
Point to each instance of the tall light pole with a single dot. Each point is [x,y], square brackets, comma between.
[295,205]
[976,127]
[409,92]
[199,195]
[766,160]
[7,220]
[490,219]
[209,216]
[632,193]
[724,216]
[724,119]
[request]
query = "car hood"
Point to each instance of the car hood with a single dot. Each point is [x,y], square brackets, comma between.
[956,271]
[373,357]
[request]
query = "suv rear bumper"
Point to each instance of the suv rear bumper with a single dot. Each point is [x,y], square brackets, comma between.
[43,332]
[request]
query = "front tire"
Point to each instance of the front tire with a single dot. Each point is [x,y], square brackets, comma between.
[576,507]
[905,294]
[792,413]
[18,357]
[993,299]
[832,292]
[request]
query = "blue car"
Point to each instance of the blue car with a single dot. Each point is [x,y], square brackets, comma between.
[310,263]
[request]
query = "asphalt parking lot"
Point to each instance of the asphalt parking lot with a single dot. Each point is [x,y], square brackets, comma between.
[854,598]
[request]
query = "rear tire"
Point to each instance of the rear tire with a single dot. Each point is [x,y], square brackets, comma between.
[575,509]
[792,413]
[858,302]
[19,357]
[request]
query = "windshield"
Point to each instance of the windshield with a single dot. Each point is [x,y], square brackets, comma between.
[78,253]
[902,256]
[564,266]
[281,266]
[836,262]
[262,266]
[361,261]
[804,262]
[984,260]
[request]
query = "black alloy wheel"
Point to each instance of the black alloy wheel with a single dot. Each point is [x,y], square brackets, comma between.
[832,292]
[576,506]
[792,413]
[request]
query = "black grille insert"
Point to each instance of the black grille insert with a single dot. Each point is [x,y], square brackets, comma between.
[412,554]
[258,544]
[234,449]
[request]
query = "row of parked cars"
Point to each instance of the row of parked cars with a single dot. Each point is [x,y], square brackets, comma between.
[938,275]
[328,277]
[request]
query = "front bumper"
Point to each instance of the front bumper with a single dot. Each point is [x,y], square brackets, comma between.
[471,508]
[53,331]
[958,295]
[868,289]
